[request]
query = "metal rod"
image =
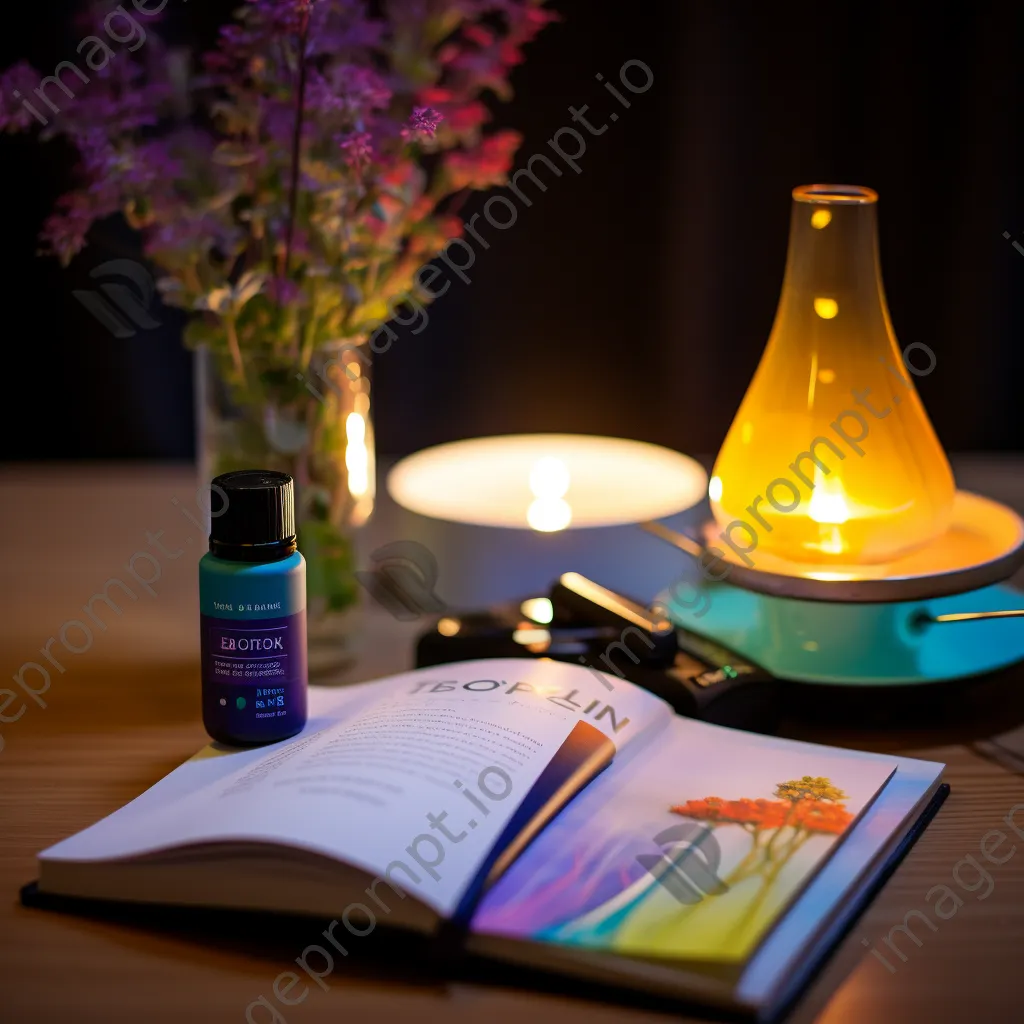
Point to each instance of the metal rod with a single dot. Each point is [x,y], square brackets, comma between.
[1013,613]
[678,540]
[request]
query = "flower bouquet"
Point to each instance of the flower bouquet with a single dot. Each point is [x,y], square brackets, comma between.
[289,185]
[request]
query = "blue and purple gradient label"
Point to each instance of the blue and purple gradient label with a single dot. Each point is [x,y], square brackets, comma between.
[253,646]
[254,673]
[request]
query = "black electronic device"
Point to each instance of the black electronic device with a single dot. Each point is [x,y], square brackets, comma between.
[584,623]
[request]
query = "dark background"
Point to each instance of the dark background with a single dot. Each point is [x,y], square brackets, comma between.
[633,299]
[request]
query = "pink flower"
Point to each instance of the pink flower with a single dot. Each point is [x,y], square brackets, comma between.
[460,117]
[421,208]
[433,236]
[486,165]
[357,147]
[479,35]
[467,117]
[434,94]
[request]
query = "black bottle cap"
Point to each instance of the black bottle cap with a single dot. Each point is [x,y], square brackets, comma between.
[253,517]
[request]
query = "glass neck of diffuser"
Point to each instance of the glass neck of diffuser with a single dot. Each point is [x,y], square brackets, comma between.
[832,266]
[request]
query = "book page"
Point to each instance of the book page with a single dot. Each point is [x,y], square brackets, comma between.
[412,778]
[690,849]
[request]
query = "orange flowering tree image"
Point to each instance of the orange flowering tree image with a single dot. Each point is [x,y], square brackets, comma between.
[778,828]
[729,913]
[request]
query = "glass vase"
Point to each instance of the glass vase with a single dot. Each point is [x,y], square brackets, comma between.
[315,424]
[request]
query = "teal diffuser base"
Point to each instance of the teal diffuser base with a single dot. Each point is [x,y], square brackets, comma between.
[938,613]
[858,643]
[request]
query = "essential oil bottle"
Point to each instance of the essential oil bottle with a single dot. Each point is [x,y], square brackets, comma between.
[252,604]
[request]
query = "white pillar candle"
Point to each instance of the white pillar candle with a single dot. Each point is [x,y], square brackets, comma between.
[547,482]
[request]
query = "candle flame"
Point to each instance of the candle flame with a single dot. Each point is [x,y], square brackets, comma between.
[549,512]
[357,457]
[826,507]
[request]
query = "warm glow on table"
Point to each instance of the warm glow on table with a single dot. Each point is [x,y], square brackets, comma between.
[547,482]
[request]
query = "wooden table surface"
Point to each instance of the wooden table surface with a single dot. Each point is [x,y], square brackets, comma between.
[125,712]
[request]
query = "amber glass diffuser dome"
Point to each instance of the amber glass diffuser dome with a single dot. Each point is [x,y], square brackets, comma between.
[832,357]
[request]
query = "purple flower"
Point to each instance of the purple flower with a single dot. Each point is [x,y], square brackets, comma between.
[121,98]
[20,78]
[285,15]
[238,192]
[278,121]
[423,121]
[283,291]
[189,234]
[344,26]
[100,158]
[64,232]
[363,88]
[349,91]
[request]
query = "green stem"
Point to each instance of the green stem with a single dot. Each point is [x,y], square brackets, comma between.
[293,191]
[371,277]
[234,348]
[308,331]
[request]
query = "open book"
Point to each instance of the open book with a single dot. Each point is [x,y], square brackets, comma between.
[558,817]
